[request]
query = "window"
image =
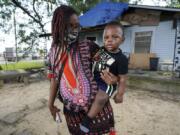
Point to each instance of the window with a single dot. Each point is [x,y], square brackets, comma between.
[143,42]
[91,38]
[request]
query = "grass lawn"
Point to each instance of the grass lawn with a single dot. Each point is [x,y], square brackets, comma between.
[33,64]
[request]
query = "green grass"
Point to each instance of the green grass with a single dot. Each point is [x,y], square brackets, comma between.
[34,64]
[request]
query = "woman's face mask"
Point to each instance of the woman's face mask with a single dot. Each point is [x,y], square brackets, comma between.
[73,29]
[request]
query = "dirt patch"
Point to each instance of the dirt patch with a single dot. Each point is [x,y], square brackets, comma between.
[24,112]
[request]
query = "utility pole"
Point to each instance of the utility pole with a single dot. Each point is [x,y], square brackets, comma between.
[15,35]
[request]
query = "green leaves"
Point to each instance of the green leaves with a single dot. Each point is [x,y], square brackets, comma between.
[82,6]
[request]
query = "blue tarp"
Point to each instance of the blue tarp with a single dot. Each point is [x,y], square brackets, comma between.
[103,13]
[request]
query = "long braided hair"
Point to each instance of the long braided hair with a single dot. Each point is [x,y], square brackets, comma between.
[60,24]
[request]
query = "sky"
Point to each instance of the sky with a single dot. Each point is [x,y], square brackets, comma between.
[8,40]
[154,2]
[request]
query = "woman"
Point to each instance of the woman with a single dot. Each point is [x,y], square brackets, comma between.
[71,77]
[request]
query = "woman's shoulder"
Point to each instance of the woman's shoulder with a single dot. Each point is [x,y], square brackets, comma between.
[88,42]
[90,46]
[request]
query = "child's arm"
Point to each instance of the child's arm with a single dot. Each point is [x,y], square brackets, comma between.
[122,74]
[121,89]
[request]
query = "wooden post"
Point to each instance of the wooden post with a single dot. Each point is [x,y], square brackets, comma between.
[1,83]
[26,80]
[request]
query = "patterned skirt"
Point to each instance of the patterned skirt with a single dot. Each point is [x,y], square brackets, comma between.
[100,125]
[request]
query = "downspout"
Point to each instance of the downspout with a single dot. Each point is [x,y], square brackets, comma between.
[175,44]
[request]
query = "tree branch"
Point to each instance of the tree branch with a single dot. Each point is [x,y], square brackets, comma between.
[18,4]
[36,11]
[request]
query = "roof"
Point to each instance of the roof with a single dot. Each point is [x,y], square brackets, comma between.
[170,9]
[102,13]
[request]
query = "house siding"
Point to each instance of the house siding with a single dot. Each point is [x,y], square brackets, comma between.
[165,41]
[162,43]
[126,46]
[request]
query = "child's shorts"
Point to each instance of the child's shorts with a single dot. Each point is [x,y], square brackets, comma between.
[110,90]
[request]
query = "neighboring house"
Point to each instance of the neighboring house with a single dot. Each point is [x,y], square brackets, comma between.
[150,32]
[9,54]
[2,60]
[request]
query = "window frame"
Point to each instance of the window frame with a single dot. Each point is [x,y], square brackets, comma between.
[143,29]
[148,34]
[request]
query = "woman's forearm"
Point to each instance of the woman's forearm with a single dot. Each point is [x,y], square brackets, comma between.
[108,77]
[53,92]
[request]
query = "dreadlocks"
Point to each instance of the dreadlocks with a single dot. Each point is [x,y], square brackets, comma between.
[60,23]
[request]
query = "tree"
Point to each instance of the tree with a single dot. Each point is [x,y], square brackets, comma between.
[82,6]
[35,15]
[5,15]
[32,19]
[174,3]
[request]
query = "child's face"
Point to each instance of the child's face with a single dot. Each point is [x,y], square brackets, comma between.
[113,37]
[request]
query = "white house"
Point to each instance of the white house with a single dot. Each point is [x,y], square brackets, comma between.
[150,32]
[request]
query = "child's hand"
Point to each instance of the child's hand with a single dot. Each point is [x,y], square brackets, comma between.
[118,98]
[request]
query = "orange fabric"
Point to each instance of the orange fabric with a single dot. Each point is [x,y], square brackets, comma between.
[69,75]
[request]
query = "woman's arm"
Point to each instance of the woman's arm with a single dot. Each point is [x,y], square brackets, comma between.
[108,77]
[52,96]
[53,91]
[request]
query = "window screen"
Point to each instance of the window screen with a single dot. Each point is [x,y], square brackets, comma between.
[143,42]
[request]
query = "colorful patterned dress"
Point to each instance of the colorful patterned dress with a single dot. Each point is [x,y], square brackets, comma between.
[77,89]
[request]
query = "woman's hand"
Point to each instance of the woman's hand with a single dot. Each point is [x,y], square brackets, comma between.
[108,77]
[53,91]
[53,110]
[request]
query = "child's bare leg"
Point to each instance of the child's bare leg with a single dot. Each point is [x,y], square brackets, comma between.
[98,104]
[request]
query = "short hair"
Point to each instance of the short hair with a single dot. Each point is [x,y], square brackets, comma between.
[116,23]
